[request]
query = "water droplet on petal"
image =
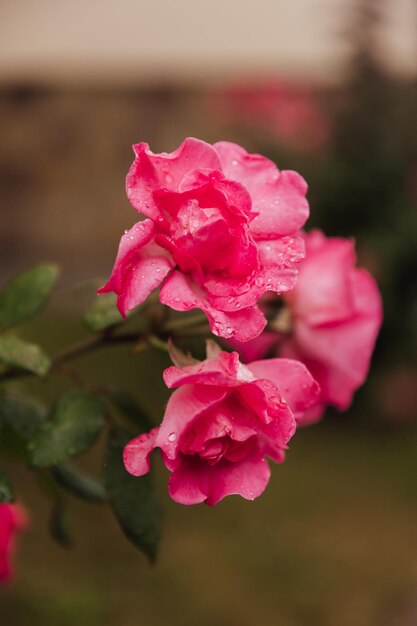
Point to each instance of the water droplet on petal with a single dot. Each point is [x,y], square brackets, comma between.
[172,437]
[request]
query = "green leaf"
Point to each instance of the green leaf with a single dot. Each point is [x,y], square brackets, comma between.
[79,484]
[132,499]
[16,352]
[73,426]
[58,524]
[25,296]
[24,415]
[103,313]
[129,406]
[6,493]
[13,444]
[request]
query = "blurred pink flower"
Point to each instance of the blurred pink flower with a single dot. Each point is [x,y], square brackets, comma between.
[221,423]
[12,519]
[336,314]
[222,229]
[255,348]
[288,113]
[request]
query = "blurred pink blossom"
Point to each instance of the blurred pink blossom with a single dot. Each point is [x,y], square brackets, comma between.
[336,314]
[13,518]
[287,113]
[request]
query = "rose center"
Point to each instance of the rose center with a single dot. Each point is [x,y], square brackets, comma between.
[224,447]
[204,234]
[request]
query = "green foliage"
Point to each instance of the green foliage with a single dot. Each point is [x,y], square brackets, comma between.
[132,499]
[130,408]
[6,493]
[78,484]
[12,444]
[59,525]
[16,352]
[73,426]
[24,415]
[48,440]
[103,313]
[25,296]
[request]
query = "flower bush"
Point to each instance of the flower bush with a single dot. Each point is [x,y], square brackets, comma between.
[221,234]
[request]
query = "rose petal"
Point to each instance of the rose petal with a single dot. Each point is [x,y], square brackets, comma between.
[222,370]
[277,197]
[323,292]
[181,294]
[265,400]
[185,404]
[228,419]
[292,379]
[277,272]
[139,268]
[150,172]
[196,481]
[338,356]
[136,454]
[233,195]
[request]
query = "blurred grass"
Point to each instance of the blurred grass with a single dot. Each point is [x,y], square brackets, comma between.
[333,541]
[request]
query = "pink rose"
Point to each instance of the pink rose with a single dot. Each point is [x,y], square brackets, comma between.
[336,313]
[221,230]
[12,520]
[221,423]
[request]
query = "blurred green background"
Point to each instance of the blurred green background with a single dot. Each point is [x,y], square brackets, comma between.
[333,541]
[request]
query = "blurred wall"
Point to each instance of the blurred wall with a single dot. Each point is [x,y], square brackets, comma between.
[187,39]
